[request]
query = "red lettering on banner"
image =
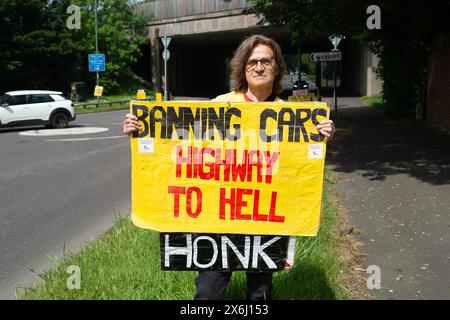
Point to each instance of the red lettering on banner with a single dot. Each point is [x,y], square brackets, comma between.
[257,163]
[222,165]
[236,203]
[224,201]
[196,159]
[241,203]
[177,191]
[189,201]
[256,215]
[176,199]
[270,160]
[206,175]
[240,170]
[273,204]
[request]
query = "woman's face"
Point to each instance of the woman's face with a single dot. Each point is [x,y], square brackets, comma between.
[261,69]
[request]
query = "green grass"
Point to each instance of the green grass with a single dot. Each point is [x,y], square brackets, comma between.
[102,108]
[90,109]
[375,101]
[124,264]
[112,98]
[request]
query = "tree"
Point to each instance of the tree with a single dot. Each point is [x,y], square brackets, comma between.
[119,37]
[39,51]
[24,43]
[402,43]
[312,18]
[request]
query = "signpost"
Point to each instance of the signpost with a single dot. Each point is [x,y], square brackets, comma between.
[98,91]
[325,56]
[96,63]
[335,39]
[166,56]
[332,56]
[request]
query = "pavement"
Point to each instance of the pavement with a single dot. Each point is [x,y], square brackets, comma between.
[393,179]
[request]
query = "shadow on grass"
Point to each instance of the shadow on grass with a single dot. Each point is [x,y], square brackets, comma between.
[302,282]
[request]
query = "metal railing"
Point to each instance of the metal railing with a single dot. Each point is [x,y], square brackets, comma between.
[97,104]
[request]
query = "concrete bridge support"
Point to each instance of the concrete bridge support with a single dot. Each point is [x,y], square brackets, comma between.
[203,43]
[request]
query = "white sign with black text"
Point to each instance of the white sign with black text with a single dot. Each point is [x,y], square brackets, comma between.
[326,56]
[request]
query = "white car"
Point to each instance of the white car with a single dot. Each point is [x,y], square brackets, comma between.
[35,107]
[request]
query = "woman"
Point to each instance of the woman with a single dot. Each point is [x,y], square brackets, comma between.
[257,71]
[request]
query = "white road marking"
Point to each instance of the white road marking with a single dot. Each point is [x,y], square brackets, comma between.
[63,132]
[86,139]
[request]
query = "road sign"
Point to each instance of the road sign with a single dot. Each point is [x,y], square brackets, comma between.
[141,95]
[326,56]
[96,62]
[98,91]
[166,40]
[335,40]
[166,55]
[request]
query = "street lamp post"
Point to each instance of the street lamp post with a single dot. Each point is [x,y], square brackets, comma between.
[334,89]
[299,62]
[335,40]
[96,43]
[166,56]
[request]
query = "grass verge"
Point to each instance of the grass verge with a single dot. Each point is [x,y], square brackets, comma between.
[101,108]
[375,101]
[124,264]
[122,106]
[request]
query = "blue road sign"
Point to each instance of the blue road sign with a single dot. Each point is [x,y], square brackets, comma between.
[96,62]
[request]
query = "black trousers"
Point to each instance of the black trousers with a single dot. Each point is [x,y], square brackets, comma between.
[211,285]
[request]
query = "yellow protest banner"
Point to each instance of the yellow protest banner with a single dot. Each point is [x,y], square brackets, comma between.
[213,167]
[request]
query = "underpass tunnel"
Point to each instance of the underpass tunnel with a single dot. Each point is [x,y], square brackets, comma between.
[199,63]
[198,69]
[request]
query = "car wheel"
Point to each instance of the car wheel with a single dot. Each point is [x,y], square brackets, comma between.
[60,120]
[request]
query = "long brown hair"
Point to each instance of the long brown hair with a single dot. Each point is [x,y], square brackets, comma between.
[243,52]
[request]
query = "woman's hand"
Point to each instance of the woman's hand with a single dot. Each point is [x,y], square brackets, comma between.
[130,124]
[326,127]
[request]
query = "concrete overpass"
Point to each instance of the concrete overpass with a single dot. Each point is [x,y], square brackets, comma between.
[205,34]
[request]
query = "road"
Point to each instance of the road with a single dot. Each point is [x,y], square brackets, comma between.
[58,191]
